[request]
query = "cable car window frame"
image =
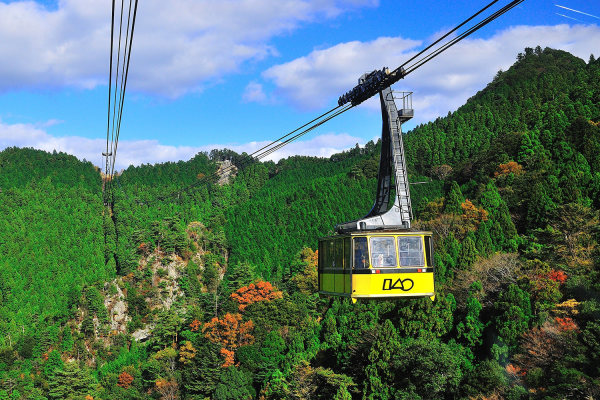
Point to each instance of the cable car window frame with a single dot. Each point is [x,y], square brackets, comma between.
[428,250]
[338,254]
[385,259]
[347,253]
[321,263]
[365,250]
[331,254]
[419,240]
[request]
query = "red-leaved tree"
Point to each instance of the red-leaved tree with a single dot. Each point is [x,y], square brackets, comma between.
[254,292]
[230,333]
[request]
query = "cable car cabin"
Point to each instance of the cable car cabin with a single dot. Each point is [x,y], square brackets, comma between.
[382,264]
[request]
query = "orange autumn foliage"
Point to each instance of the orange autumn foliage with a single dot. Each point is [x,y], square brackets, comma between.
[230,333]
[566,324]
[510,167]
[125,380]
[229,357]
[472,213]
[514,370]
[254,292]
[557,276]
[195,325]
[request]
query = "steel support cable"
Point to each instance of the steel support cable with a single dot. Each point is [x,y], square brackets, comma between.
[219,174]
[121,83]
[112,30]
[124,85]
[286,142]
[446,35]
[296,130]
[117,88]
[463,35]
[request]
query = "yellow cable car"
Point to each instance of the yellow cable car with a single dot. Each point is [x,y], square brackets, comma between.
[378,256]
[377,264]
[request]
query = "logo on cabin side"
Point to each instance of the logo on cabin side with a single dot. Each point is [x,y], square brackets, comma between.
[402,284]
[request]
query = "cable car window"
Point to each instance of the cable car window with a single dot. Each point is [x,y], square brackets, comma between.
[347,253]
[383,252]
[411,251]
[339,253]
[326,258]
[361,253]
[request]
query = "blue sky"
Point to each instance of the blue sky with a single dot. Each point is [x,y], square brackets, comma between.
[235,74]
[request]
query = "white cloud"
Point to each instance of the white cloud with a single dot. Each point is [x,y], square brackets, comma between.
[179,45]
[136,152]
[311,81]
[441,85]
[254,93]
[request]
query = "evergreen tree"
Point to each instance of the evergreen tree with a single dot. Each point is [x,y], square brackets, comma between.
[468,253]
[234,385]
[539,208]
[380,371]
[53,364]
[67,342]
[471,328]
[484,243]
[454,199]
[513,310]
[71,382]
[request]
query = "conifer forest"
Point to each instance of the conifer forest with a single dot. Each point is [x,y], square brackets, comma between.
[213,294]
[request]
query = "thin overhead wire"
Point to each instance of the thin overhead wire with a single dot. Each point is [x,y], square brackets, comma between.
[128,51]
[117,87]
[112,29]
[457,27]
[463,35]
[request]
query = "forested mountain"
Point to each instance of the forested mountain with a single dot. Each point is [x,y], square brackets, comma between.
[51,241]
[211,293]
